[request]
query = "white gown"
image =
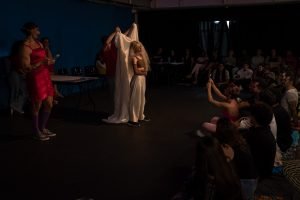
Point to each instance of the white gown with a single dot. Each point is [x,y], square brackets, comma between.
[123,76]
[137,98]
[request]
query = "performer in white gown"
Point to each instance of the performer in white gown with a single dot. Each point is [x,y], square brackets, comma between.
[139,61]
[123,76]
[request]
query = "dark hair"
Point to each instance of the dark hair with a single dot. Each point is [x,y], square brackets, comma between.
[262,83]
[212,166]
[229,91]
[262,113]
[27,27]
[268,97]
[291,75]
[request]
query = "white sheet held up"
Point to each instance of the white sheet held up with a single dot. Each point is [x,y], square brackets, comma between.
[123,77]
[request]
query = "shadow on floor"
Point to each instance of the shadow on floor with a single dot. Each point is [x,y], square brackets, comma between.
[79,116]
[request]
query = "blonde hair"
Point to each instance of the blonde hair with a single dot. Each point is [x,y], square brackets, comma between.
[137,46]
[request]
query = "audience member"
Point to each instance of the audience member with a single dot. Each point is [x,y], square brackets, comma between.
[227,134]
[213,176]
[289,100]
[274,60]
[261,140]
[200,63]
[284,132]
[220,76]
[244,76]
[257,60]
[229,104]
[17,82]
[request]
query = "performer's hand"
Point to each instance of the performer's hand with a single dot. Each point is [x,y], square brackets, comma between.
[117,30]
[228,152]
[211,81]
[43,62]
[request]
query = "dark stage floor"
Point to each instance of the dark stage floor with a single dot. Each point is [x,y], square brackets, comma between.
[89,159]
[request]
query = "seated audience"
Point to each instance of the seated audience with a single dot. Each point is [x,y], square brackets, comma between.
[228,103]
[289,100]
[244,76]
[261,140]
[257,60]
[213,176]
[200,63]
[227,134]
[220,75]
[284,132]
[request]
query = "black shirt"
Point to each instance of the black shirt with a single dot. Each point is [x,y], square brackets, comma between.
[263,148]
[284,138]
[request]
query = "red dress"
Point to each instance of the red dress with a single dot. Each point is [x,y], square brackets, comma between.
[110,59]
[38,80]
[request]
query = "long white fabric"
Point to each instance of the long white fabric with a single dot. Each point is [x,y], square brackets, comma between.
[137,98]
[124,74]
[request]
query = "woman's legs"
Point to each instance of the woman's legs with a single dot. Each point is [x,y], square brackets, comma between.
[211,126]
[193,71]
[196,71]
[45,114]
[36,106]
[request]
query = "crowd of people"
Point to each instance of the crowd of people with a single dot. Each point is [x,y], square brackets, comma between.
[240,68]
[254,133]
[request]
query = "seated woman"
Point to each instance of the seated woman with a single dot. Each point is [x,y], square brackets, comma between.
[201,62]
[228,103]
[213,176]
[228,135]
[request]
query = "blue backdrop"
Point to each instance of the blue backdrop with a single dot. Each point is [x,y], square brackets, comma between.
[74,27]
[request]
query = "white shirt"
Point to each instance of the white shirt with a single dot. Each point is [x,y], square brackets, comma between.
[290,96]
[245,73]
[256,60]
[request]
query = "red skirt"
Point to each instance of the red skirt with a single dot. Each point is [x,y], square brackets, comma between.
[39,84]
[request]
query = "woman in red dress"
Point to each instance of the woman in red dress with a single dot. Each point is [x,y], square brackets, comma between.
[46,44]
[40,89]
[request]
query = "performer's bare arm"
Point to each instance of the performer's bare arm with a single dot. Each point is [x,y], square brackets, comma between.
[25,60]
[138,71]
[111,37]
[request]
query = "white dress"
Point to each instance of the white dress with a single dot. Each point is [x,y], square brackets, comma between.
[123,77]
[137,97]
